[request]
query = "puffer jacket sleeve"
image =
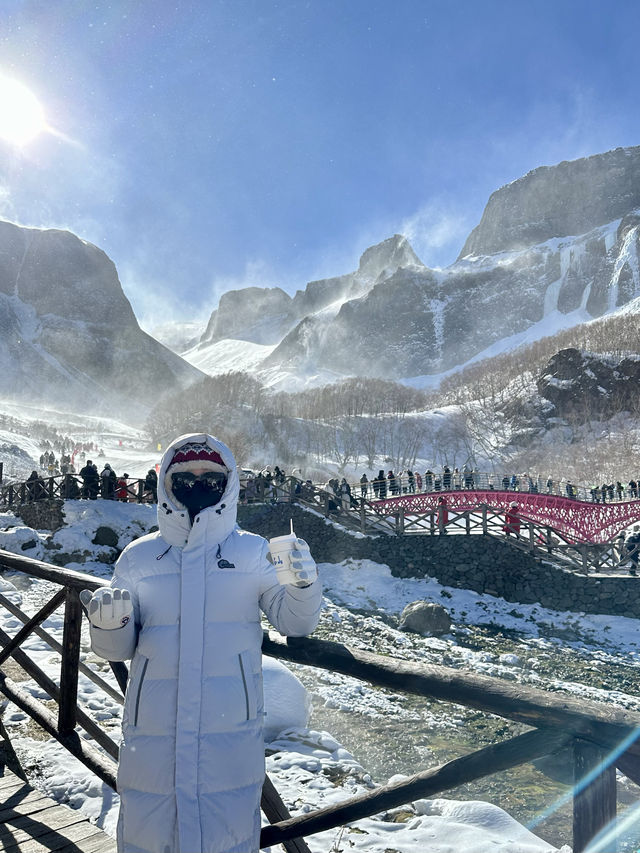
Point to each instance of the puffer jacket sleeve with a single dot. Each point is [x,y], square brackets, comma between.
[293,611]
[120,643]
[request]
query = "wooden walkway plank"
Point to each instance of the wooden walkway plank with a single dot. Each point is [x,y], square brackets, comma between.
[31,822]
[24,827]
[9,783]
[96,844]
[32,803]
[56,841]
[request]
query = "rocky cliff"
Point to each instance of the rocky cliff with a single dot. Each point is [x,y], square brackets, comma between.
[558,201]
[517,271]
[266,315]
[68,335]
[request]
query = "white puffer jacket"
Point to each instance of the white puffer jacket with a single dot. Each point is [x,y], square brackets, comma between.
[192,756]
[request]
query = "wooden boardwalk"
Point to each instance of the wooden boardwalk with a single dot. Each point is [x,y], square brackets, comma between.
[31,822]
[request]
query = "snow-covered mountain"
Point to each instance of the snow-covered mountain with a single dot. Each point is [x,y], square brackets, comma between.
[555,248]
[68,335]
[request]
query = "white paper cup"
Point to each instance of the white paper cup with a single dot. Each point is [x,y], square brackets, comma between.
[281,549]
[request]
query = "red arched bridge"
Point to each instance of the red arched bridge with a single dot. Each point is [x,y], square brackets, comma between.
[579,521]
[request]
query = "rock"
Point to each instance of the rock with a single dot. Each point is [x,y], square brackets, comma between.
[55,287]
[106,536]
[426,618]
[587,386]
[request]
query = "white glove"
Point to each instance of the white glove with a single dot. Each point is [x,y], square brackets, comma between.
[107,608]
[299,567]
[302,567]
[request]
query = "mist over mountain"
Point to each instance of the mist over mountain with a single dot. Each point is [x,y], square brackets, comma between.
[553,249]
[68,335]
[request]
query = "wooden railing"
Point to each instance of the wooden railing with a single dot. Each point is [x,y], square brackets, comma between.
[63,725]
[67,486]
[601,738]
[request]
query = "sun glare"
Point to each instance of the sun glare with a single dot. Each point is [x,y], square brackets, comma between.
[21,115]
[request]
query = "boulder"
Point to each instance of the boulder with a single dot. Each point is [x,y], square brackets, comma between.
[426,618]
[106,536]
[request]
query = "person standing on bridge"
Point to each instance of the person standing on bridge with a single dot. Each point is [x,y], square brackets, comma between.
[364,485]
[632,545]
[512,520]
[443,514]
[184,605]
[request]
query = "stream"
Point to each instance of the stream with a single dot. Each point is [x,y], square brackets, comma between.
[391,733]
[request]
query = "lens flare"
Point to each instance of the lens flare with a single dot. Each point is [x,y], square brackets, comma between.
[22,117]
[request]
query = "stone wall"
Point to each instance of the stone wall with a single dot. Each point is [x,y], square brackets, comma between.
[480,563]
[42,515]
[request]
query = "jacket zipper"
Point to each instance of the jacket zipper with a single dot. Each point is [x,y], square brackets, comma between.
[246,688]
[137,705]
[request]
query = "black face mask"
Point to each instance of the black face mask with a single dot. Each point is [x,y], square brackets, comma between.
[197,494]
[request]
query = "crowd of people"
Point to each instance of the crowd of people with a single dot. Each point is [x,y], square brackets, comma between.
[92,482]
[263,485]
[89,482]
[390,484]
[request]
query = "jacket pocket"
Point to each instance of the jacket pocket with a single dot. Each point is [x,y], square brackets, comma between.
[137,692]
[248,683]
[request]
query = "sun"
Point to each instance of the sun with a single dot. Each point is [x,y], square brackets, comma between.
[21,114]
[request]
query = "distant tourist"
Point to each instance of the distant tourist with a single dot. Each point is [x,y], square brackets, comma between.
[108,482]
[443,514]
[122,490]
[364,485]
[90,480]
[151,485]
[632,544]
[512,520]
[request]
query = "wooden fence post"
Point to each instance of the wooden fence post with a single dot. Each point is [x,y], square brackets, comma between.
[51,487]
[363,516]
[467,518]
[594,795]
[70,661]
[484,518]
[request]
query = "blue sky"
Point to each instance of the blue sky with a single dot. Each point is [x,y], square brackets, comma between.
[223,143]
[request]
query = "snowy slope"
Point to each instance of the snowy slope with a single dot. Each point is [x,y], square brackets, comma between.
[227,355]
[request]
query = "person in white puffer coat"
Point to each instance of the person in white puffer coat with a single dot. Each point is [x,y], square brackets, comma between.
[184,605]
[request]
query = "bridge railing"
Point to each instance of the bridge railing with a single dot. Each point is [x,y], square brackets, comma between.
[374,518]
[599,738]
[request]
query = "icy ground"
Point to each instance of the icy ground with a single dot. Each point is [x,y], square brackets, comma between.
[592,656]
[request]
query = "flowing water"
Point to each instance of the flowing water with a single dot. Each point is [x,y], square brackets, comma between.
[402,734]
